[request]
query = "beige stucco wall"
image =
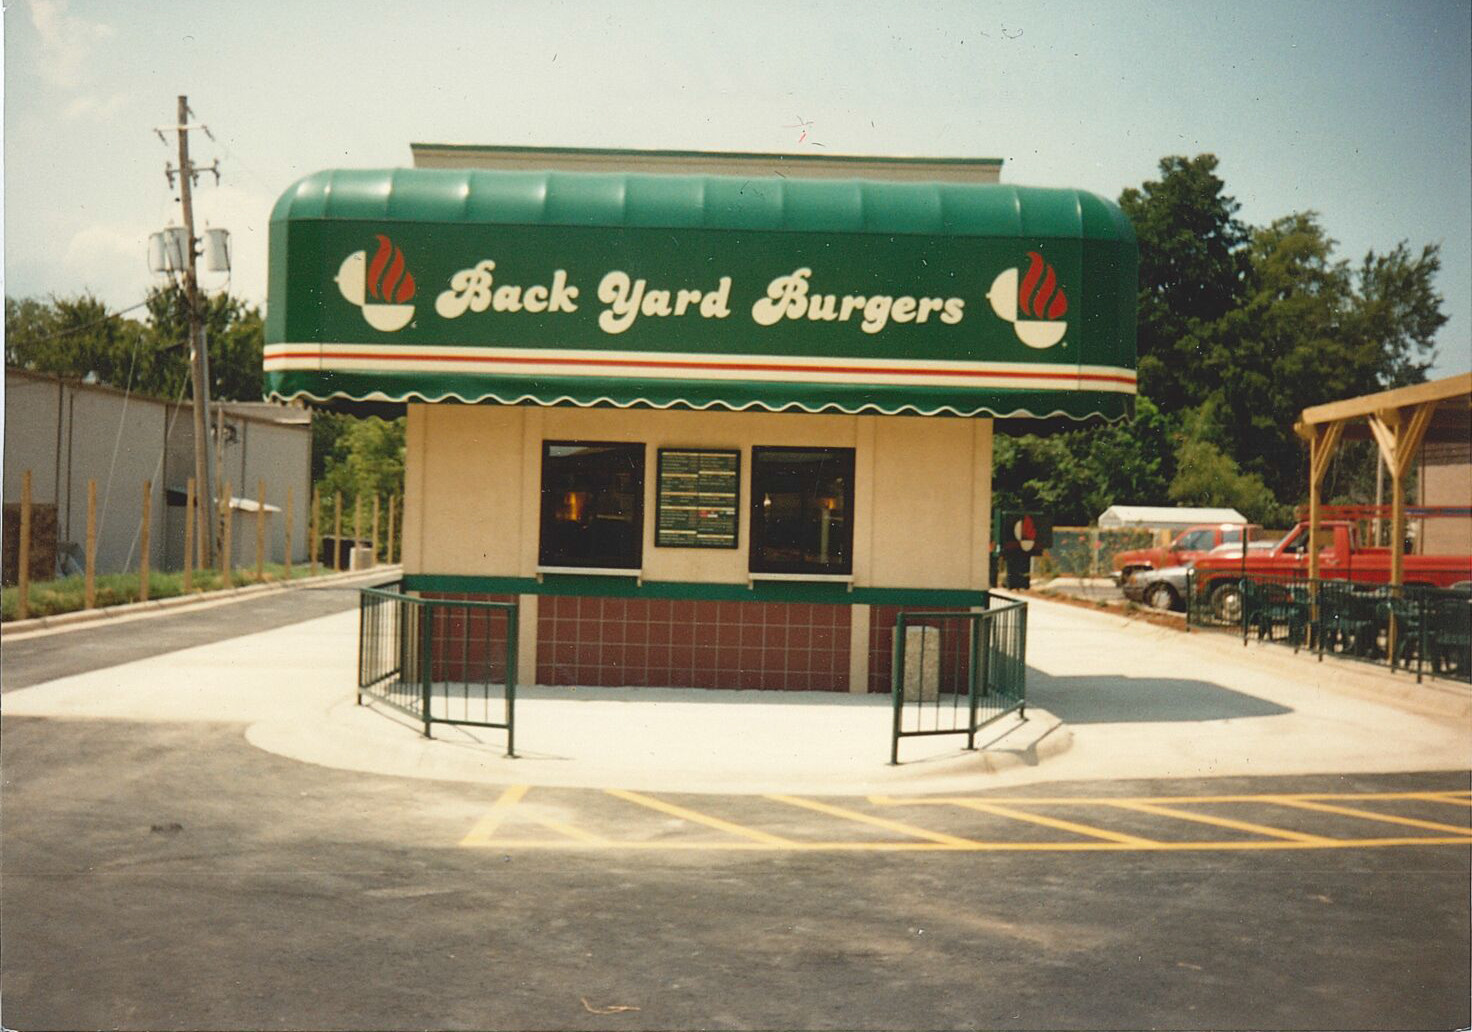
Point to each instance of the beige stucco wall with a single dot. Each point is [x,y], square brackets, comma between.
[1446,479]
[922,491]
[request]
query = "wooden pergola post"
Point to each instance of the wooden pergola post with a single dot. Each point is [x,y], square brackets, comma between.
[1399,438]
[1323,440]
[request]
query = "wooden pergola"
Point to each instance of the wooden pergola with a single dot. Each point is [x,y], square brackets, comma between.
[1399,421]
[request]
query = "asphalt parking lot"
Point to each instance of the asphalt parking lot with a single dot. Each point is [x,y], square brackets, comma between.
[165,873]
[171,876]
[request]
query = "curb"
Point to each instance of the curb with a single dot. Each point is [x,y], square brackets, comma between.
[336,745]
[20,629]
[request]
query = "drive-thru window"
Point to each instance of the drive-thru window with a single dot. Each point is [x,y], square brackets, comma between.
[706,430]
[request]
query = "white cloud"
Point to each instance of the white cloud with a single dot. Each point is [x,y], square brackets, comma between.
[90,105]
[67,42]
[246,214]
[111,260]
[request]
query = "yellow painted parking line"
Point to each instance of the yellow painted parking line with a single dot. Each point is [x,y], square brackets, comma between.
[1267,797]
[696,817]
[1221,822]
[743,838]
[480,835]
[577,834]
[730,845]
[1054,822]
[878,822]
[1346,811]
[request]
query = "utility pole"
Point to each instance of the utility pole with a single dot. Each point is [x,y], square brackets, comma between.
[203,474]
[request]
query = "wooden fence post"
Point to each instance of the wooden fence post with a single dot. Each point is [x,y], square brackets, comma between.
[144,542]
[226,532]
[393,502]
[89,591]
[189,536]
[288,532]
[23,573]
[337,532]
[261,529]
[314,537]
[373,552]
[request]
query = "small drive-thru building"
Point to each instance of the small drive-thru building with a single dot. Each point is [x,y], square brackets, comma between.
[709,420]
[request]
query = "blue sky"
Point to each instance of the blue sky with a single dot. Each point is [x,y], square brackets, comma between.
[1361,111]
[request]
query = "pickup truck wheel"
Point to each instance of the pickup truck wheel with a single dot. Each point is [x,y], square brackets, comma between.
[1226,602]
[1161,596]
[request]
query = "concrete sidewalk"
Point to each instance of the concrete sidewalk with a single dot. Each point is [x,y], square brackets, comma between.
[1108,698]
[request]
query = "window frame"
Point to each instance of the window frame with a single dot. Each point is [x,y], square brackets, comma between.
[758,567]
[547,562]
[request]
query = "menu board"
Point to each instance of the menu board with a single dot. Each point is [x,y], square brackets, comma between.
[696,503]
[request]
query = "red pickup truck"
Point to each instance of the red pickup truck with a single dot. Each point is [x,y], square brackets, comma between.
[1341,557]
[1189,544]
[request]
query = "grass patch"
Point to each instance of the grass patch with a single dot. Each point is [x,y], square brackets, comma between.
[48,598]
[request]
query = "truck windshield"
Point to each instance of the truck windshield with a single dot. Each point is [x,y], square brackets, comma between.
[1194,541]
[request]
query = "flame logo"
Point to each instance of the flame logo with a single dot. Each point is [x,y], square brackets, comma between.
[1039,298]
[396,287]
[382,288]
[1037,305]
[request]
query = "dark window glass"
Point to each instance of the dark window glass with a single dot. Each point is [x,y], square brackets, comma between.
[802,503]
[1195,541]
[592,504]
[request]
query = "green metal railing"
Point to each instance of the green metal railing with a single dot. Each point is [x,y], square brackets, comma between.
[444,661]
[1413,627]
[955,672]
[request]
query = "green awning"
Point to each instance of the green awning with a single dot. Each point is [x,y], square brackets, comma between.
[701,292]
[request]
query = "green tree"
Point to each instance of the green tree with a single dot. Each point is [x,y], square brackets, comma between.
[234,335]
[79,338]
[1075,475]
[1205,475]
[1192,268]
[1397,312]
[74,337]
[365,458]
[1309,330]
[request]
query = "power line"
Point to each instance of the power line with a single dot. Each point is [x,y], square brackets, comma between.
[87,326]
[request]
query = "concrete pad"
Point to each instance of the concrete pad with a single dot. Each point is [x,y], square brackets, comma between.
[295,687]
[1108,698]
[1145,701]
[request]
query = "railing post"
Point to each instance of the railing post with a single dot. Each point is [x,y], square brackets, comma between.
[977,621]
[1022,662]
[362,638]
[426,663]
[1424,603]
[896,685]
[513,630]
